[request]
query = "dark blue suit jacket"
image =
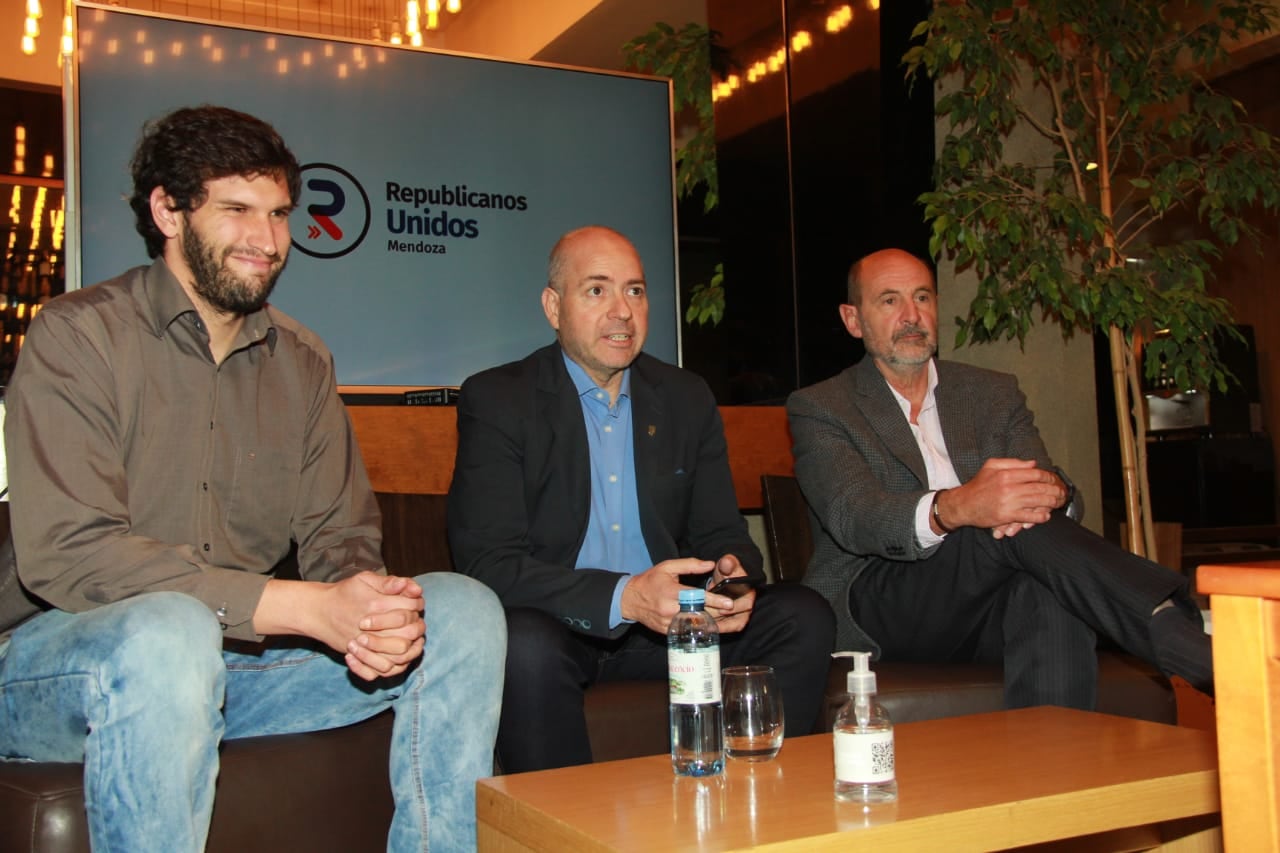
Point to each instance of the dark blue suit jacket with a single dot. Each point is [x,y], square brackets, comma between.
[520,498]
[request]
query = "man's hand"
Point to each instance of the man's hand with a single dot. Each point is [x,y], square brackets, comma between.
[375,620]
[1009,530]
[1015,528]
[653,597]
[394,636]
[1006,495]
[731,614]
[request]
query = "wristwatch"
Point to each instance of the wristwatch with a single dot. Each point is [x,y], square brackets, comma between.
[1075,503]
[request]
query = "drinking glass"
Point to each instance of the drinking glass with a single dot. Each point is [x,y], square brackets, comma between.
[753,719]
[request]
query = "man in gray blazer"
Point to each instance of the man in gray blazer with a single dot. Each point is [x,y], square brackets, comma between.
[944,530]
[592,482]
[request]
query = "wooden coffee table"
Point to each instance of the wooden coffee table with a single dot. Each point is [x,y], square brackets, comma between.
[980,782]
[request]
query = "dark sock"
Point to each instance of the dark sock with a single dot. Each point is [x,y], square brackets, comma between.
[1183,648]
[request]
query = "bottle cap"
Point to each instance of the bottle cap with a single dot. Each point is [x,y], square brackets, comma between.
[693,595]
[861,680]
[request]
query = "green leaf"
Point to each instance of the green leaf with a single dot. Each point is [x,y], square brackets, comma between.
[1048,244]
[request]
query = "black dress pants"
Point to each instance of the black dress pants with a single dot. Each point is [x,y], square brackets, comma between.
[549,667]
[1036,602]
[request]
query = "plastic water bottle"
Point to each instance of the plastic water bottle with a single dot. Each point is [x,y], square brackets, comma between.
[693,664]
[863,736]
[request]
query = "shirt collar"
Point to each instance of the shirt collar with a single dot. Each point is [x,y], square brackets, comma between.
[167,301]
[584,384]
[930,399]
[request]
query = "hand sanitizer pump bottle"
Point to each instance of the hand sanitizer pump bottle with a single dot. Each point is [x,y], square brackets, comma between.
[864,740]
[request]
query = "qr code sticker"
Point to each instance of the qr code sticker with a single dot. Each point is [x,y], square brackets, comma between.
[882,758]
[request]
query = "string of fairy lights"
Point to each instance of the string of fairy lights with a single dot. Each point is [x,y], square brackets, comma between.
[801,40]
[418,16]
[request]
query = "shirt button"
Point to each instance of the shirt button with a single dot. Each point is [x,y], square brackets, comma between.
[615,528]
[613,478]
[204,486]
[608,429]
[599,395]
[206,546]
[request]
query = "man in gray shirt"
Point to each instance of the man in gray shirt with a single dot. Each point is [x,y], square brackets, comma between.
[170,437]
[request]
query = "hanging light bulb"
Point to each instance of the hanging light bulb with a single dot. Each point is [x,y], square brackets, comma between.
[433,20]
[68,43]
[30,27]
[433,7]
[33,9]
[454,6]
[19,152]
[28,45]
[416,39]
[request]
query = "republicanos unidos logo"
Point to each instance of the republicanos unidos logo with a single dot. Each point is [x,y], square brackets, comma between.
[333,214]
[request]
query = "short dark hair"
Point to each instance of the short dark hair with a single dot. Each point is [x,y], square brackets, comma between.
[191,146]
[855,284]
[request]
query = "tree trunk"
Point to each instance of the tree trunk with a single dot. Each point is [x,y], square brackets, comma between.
[1124,384]
[1138,418]
[1136,539]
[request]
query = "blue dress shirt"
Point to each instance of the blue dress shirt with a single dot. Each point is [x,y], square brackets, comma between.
[614,540]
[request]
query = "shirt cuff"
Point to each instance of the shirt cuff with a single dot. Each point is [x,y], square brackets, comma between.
[615,609]
[924,533]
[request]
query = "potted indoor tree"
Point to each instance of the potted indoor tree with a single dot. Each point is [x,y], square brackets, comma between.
[1121,93]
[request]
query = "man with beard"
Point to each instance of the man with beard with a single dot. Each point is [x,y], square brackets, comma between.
[592,482]
[944,531]
[170,436]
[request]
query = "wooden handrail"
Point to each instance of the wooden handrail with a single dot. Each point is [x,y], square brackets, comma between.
[1245,598]
[1259,579]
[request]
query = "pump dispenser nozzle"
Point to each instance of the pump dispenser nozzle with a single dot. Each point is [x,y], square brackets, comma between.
[861,680]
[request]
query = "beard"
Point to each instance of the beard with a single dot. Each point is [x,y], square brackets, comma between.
[911,354]
[216,284]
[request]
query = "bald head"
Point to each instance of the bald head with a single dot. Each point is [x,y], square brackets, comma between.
[891,262]
[572,244]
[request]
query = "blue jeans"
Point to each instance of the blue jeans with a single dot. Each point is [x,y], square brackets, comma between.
[142,692]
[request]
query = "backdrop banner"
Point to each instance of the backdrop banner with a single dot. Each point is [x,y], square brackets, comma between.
[434,184]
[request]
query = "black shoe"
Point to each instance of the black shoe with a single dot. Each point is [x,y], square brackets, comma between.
[1183,648]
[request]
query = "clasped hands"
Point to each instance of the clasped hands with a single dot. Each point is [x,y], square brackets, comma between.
[381,615]
[652,597]
[374,620]
[1006,496]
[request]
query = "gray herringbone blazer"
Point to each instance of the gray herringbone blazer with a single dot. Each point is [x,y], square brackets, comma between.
[862,473]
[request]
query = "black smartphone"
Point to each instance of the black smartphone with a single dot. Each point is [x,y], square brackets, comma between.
[735,587]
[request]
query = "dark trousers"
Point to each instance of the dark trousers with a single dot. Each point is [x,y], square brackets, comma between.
[549,667]
[1035,602]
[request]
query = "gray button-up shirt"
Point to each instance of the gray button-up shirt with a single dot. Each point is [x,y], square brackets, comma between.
[137,464]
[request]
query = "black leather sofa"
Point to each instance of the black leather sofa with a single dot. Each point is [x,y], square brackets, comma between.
[327,792]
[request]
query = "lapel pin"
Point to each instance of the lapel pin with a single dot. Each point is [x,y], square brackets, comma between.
[652,430]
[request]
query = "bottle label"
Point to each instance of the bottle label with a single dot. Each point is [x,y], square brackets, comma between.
[864,757]
[694,676]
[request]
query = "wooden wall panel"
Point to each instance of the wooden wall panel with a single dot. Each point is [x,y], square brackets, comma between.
[407,449]
[759,443]
[410,449]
